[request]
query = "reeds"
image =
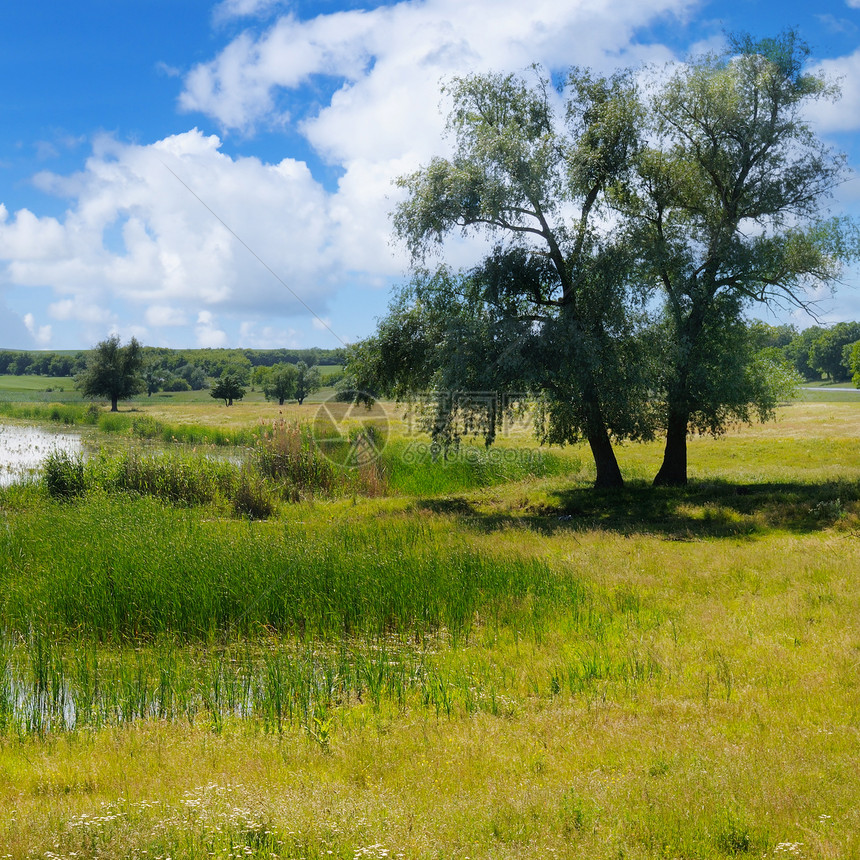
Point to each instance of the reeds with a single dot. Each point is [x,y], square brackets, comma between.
[129,567]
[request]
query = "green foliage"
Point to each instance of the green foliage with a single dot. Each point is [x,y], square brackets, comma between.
[730,149]
[112,371]
[200,577]
[174,478]
[827,352]
[418,469]
[307,381]
[797,351]
[280,382]
[853,357]
[550,311]
[227,388]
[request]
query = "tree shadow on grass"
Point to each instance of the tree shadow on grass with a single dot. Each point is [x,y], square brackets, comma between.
[703,509]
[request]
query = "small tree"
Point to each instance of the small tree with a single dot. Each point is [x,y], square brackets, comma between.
[280,382]
[112,371]
[308,380]
[228,389]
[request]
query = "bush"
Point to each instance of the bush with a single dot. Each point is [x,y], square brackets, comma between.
[63,475]
[176,384]
[251,496]
[288,454]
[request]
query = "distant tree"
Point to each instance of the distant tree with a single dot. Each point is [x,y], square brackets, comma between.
[153,377]
[238,367]
[193,375]
[764,336]
[280,382]
[227,388]
[853,355]
[21,364]
[308,380]
[797,352]
[826,351]
[61,365]
[112,371]
[260,374]
[175,383]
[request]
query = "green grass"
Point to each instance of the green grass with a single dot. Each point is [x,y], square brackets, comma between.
[416,468]
[484,659]
[36,383]
[116,568]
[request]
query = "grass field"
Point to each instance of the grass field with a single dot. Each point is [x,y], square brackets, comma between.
[478,657]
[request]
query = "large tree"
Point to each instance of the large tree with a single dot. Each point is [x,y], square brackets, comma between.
[112,371]
[549,310]
[727,207]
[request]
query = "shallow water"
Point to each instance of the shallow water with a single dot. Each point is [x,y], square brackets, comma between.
[24,449]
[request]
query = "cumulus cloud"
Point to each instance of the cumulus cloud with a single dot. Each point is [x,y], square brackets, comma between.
[229,9]
[157,226]
[208,333]
[178,236]
[844,114]
[391,58]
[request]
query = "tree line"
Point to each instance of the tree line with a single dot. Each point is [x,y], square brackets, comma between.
[116,372]
[634,222]
[210,362]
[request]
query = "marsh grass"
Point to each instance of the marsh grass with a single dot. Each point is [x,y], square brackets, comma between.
[122,568]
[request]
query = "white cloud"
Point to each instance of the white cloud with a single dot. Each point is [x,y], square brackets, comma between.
[208,333]
[40,334]
[391,58]
[229,9]
[153,226]
[844,114]
[161,316]
[149,228]
[268,337]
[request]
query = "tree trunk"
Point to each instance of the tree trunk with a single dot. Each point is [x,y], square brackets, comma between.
[673,471]
[608,472]
[113,403]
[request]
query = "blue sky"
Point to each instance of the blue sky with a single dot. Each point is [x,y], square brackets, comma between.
[161,159]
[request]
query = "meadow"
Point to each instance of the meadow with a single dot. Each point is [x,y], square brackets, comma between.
[408,655]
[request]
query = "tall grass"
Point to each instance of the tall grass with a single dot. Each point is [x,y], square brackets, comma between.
[49,687]
[419,469]
[306,460]
[129,568]
[69,414]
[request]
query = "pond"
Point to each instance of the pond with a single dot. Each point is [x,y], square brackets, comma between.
[24,449]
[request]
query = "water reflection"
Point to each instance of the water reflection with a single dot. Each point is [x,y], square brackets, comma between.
[24,449]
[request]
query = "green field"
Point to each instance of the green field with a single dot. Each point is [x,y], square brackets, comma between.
[475,657]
